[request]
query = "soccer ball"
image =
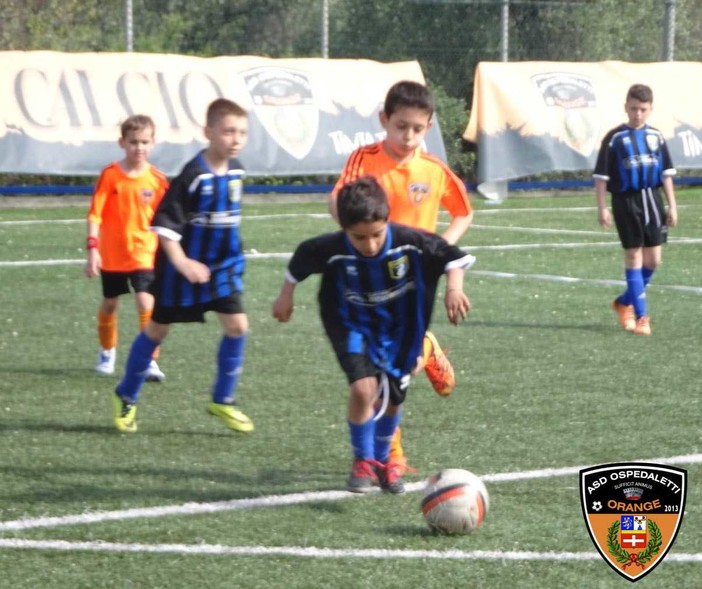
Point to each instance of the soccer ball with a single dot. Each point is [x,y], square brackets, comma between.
[455,501]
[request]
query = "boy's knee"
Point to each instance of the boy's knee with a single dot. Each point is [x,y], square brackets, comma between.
[236,325]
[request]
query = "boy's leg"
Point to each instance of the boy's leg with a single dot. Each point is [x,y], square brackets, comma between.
[127,391]
[362,430]
[230,359]
[141,283]
[651,258]
[392,469]
[107,335]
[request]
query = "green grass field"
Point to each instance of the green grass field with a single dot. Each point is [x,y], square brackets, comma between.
[546,380]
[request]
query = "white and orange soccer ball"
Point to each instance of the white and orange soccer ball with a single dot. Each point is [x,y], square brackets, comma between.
[455,501]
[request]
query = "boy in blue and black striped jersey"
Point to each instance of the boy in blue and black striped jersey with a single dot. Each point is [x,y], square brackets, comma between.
[378,285]
[633,165]
[199,266]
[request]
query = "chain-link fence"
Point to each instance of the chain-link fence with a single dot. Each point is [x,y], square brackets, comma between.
[447,37]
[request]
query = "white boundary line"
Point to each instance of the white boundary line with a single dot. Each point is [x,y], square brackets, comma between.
[478,213]
[314,552]
[300,551]
[487,273]
[283,500]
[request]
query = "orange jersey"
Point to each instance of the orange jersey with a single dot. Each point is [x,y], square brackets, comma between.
[415,189]
[123,206]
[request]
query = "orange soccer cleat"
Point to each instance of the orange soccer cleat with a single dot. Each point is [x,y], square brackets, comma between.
[643,326]
[625,314]
[437,366]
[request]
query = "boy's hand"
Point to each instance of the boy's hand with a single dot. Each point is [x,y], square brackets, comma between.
[283,308]
[195,272]
[604,217]
[672,216]
[92,266]
[457,305]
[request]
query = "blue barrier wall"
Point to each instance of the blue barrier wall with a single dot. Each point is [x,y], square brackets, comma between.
[321,188]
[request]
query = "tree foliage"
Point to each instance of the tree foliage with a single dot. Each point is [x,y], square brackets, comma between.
[448,37]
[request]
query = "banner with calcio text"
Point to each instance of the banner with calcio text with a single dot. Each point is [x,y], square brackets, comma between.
[534,117]
[60,112]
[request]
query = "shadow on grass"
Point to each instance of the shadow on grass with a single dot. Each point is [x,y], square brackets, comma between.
[414,531]
[77,485]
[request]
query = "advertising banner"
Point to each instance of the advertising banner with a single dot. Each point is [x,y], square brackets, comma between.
[533,117]
[61,111]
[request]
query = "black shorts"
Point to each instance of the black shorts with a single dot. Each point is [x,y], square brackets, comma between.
[358,366]
[115,284]
[231,305]
[640,218]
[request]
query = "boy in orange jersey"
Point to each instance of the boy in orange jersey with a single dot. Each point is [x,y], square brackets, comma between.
[417,185]
[120,244]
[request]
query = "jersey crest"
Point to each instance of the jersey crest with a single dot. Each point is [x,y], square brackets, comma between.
[418,191]
[234,188]
[398,268]
[652,142]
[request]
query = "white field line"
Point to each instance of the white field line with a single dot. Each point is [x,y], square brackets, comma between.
[486,273]
[539,230]
[304,551]
[283,500]
[479,213]
[246,217]
[314,552]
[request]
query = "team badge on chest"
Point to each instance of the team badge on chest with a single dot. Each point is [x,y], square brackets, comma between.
[235,189]
[652,142]
[418,191]
[398,268]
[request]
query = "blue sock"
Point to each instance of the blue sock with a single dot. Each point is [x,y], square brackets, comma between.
[230,358]
[647,274]
[636,291]
[362,435]
[137,363]
[384,431]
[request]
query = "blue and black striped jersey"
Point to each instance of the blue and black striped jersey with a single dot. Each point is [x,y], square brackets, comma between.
[202,211]
[633,159]
[384,303]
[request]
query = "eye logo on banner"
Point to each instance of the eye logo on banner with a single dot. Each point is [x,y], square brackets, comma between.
[633,512]
[284,103]
[571,98]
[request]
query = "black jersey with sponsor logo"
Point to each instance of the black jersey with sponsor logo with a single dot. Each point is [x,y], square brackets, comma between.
[202,211]
[633,159]
[384,302]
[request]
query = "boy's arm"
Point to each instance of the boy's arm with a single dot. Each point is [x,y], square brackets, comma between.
[603,215]
[92,266]
[456,301]
[457,227]
[196,272]
[306,260]
[284,305]
[669,191]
